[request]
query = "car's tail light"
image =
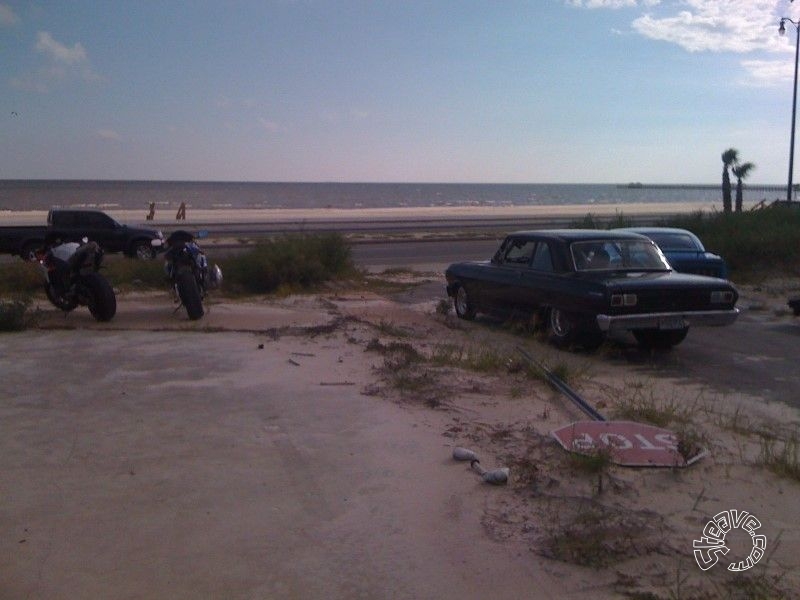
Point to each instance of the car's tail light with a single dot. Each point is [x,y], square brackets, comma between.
[624,299]
[721,297]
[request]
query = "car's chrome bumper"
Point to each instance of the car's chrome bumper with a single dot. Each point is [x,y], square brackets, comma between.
[667,320]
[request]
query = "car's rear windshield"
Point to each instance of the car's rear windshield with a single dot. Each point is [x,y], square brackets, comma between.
[628,255]
[673,241]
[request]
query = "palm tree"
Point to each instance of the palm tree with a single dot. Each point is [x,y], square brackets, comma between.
[741,171]
[729,158]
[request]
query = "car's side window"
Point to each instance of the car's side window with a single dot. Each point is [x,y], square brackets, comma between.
[95,221]
[99,221]
[542,259]
[501,251]
[520,252]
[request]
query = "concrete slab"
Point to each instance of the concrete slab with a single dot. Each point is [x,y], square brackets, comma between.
[163,464]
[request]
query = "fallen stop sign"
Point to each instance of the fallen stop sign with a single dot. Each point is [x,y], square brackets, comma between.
[632,444]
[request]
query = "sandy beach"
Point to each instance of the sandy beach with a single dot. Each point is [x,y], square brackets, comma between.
[166,218]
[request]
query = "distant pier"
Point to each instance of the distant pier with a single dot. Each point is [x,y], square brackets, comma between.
[678,186]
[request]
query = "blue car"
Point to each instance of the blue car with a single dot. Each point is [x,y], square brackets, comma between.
[684,251]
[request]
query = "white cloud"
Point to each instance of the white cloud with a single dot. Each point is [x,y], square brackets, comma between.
[57,51]
[108,134]
[732,26]
[762,73]
[7,16]
[65,63]
[613,4]
[717,26]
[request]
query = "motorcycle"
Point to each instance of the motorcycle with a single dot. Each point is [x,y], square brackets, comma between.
[188,270]
[72,279]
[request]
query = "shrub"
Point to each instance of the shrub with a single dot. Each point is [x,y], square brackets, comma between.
[753,242]
[750,242]
[290,260]
[587,222]
[14,314]
[131,273]
[20,277]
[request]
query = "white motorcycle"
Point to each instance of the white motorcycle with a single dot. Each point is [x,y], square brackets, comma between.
[72,279]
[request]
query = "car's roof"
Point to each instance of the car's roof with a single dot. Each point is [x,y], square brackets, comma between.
[663,230]
[646,230]
[575,235]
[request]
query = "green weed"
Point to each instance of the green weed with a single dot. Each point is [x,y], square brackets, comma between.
[639,402]
[299,260]
[597,536]
[781,456]
[15,314]
[595,461]
[20,277]
[444,307]
[134,274]
[482,360]
[392,330]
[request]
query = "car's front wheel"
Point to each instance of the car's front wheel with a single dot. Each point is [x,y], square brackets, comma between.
[562,327]
[143,251]
[465,309]
[659,339]
[28,252]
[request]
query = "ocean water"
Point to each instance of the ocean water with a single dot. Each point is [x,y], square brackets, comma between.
[42,195]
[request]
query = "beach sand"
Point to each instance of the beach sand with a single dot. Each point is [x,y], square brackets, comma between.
[166,218]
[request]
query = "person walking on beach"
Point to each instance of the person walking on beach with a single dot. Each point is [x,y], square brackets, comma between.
[181,214]
[152,212]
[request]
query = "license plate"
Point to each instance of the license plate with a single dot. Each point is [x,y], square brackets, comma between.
[671,323]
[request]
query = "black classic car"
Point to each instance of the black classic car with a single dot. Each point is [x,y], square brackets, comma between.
[581,284]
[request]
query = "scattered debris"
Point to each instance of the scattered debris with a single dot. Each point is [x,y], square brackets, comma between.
[293,362]
[562,387]
[494,477]
[336,383]
[464,454]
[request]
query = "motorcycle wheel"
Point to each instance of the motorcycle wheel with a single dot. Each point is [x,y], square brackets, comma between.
[59,301]
[190,294]
[102,301]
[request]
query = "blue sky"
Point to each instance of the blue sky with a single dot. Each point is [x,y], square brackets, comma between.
[543,91]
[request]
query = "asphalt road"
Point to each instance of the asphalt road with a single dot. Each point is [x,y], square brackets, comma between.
[429,253]
[754,356]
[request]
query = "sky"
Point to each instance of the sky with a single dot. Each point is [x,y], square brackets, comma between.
[500,91]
